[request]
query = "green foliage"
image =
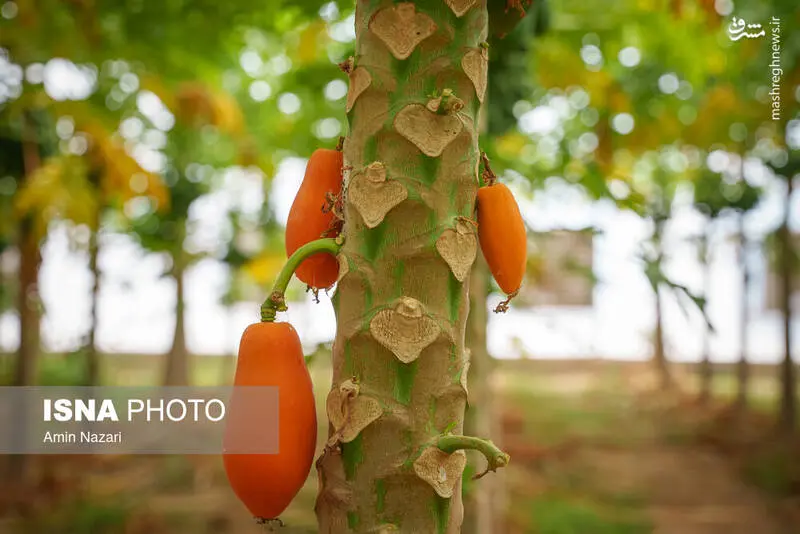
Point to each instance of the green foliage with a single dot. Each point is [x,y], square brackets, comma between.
[775,470]
[509,77]
[715,193]
[684,296]
[788,169]
[566,418]
[176,474]
[167,37]
[82,516]
[137,50]
[559,515]
[63,370]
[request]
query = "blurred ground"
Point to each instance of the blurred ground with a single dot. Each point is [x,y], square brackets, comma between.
[602,456]
[594,451]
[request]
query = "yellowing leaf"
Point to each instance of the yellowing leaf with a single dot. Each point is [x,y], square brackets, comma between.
[117,168]
[228,116]
[558,65]
[309,47]
[57,189]
[197,105]
[598,85]
[509,146]
[155,85]
[618,101]
[193,105]
[264,268]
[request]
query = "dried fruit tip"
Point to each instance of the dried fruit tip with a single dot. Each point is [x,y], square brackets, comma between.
[347,65]
[504,305]
[467,220]
[499,461]
[270,525]
[314,291]
[488,175]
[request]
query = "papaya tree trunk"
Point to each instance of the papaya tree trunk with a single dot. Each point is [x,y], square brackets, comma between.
[788,399]
[706,370]
[399,359]
[177,364]
[742,366]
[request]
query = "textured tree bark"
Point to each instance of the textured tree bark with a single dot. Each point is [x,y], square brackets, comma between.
[742,366]
[399,358]
[787,418]
[177,364]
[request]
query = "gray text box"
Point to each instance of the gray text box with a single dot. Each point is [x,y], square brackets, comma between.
[139,420]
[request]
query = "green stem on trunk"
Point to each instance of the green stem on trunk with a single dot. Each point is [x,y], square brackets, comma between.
[494,456]
[275,301]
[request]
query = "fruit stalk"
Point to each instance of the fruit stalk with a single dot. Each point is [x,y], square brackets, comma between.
[275,302]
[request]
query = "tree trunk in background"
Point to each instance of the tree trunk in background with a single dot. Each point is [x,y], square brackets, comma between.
[399,358]
[177,365]
[484,510]
[92,358]
[30,260]
[3,289]
[742,367]
[26,372]
[659,356]
[227,368]
[788,400]
[28,305]
[706,371]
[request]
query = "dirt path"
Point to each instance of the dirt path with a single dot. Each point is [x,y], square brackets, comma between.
[625,454]
[688,491]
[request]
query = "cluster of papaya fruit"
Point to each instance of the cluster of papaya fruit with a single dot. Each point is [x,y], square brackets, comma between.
[270,353]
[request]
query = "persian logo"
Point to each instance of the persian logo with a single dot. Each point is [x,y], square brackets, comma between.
[739,28]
